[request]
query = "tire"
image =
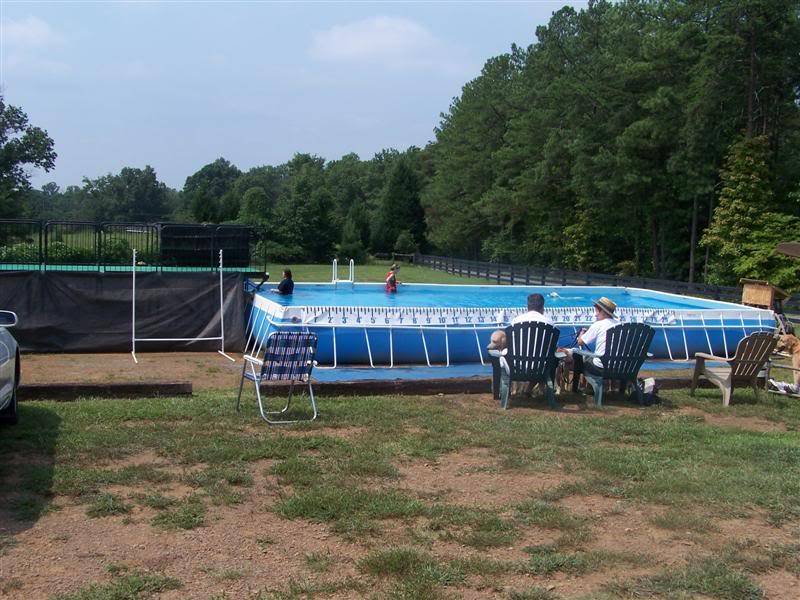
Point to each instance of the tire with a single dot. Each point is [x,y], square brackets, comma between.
[9,415]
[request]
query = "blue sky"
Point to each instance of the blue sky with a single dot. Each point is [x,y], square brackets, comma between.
[178,84]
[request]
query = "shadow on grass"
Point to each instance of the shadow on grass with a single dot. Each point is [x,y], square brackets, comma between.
[580,402]
[27,462]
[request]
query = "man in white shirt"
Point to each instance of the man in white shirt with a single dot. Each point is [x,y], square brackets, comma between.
[596,334]
[535,314]
[500,380]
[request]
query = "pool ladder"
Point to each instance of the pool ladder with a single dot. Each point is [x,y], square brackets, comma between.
[351,279]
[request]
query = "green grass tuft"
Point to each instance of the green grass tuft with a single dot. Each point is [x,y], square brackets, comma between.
[683,520]
[6,543]
[534,593]
[710,577]
[188,513]
[107,505]
[135,586]
[549,516]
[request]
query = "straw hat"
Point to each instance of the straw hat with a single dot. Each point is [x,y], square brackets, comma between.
[606,305]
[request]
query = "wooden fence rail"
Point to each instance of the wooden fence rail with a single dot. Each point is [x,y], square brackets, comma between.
[527,275]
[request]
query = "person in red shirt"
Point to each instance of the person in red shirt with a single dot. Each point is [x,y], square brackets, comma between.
[391,279]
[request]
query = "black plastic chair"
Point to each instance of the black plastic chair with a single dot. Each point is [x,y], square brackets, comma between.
[529,356]
[626,351]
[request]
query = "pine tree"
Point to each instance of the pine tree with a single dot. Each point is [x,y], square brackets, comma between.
[746,225]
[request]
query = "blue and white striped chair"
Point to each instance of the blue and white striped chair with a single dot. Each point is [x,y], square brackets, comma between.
[287,356]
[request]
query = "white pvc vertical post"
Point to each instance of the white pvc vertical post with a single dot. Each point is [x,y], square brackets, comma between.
[133,308]
[222,312]
[724,339]
[391,348]
[369,349]
[478,342]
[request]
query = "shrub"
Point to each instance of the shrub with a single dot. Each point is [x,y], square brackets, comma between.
[23,252]
[405,243]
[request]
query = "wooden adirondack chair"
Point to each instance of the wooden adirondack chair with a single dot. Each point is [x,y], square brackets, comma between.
[751,357]
[626,351]
[530,356]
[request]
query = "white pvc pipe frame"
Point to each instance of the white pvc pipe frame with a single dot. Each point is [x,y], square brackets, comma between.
[335,272]
[220,337]
[255,336]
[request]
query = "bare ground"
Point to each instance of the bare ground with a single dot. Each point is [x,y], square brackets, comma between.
[247,547]
[205,370]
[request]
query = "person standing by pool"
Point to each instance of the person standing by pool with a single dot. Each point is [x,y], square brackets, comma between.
[286,286]
[391,279]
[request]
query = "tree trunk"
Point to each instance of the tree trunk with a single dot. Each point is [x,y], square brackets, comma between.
[654,242]
[693,239]
[751,87]
[710,217]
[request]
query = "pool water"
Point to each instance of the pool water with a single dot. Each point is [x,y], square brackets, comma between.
[478,296]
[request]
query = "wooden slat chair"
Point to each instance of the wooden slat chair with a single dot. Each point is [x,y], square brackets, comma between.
[626,351]
[750,359]
[530,356]
[286,356]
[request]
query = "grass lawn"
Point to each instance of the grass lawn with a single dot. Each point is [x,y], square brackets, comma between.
[373,272]
[390,497]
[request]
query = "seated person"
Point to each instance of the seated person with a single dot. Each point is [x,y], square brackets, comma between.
[391,279]
[596,335]
[286,286]
[535,314]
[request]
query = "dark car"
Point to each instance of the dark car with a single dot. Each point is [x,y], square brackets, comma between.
[9,368]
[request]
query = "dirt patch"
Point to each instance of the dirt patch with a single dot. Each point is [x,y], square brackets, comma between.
[474,478]
[724,420]
[242,548]
[205,370]
[779,584]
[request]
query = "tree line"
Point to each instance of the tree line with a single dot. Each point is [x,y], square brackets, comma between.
[647,137]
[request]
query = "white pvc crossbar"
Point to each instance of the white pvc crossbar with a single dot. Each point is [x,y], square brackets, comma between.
[220,337]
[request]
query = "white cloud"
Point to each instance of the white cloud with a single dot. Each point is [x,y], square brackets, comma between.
[28,33]
[27,48]
[391,41]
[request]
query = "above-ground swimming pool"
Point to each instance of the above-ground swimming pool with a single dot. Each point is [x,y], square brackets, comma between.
[362,324]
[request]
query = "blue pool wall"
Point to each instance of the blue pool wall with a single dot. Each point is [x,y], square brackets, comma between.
[679,342]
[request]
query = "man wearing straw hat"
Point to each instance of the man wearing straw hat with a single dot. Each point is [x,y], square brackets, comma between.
[596,334]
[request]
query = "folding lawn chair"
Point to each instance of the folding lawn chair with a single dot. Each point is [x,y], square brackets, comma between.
[287,356]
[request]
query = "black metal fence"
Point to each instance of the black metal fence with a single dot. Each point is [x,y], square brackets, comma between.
[83,246]
[527,275]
